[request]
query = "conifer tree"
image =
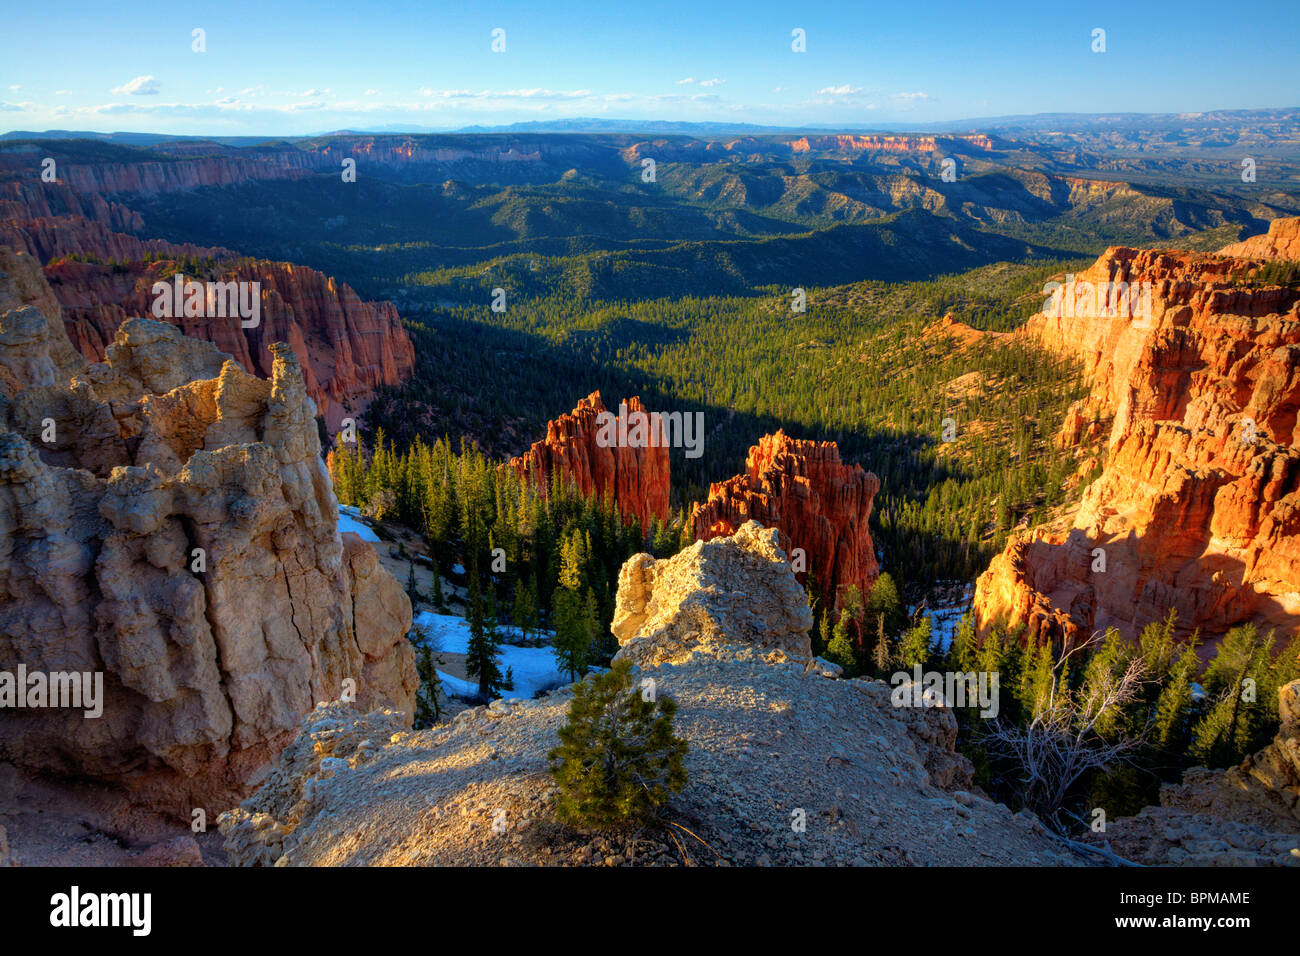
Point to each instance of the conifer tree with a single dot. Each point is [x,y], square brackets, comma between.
[412,591]
[481,653]
[964,647]
[915,647]
[525,606]
[618,760]
[884,599]
[1233,679]
[852,605]
[571,611]
[428,699]
[1038,678]
[882,655]
[839,649]
[439,601]
[822,633]
[1174,705]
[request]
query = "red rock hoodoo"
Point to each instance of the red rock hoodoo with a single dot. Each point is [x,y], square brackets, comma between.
[1197,507]
[634,478]
[813,499]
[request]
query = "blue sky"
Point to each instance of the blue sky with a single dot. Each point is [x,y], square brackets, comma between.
[294,68]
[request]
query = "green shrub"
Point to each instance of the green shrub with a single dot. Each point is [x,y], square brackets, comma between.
[618,759]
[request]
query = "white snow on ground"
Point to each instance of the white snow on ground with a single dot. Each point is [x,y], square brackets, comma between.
[943,625]
[350,520]
[944,620]
[534,668]
[456,686]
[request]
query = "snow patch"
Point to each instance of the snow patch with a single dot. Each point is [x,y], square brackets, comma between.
[534,668]
[350,520]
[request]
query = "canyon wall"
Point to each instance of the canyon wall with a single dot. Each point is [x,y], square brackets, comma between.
[168,524]
[349,346]
[815,501]
[634,478]
[1197,507]
[180,166]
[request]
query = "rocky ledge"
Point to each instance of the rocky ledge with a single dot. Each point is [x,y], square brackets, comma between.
[787,764]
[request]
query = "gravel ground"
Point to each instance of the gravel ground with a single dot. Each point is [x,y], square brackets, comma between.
[787,767]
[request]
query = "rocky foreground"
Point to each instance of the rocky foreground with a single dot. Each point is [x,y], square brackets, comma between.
[788,764]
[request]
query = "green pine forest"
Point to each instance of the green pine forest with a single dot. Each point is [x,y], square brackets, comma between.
[853,368]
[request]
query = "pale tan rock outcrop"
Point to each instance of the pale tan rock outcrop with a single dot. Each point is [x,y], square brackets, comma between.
[22,283]
[738,589]
[178,536]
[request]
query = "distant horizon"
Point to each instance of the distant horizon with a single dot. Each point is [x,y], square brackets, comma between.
[245,69]
[590,124]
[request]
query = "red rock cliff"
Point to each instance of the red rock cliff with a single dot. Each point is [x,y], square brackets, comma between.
[349,347]
[1198,505]
[814,500]
[1282,241]
[635,478]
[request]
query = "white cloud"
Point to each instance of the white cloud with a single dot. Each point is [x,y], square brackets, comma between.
[689,79]
[314,92]
[535,93]
[913,96]
[140,86]
[372,93]
[713,82]
[844,90]
[16,87]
